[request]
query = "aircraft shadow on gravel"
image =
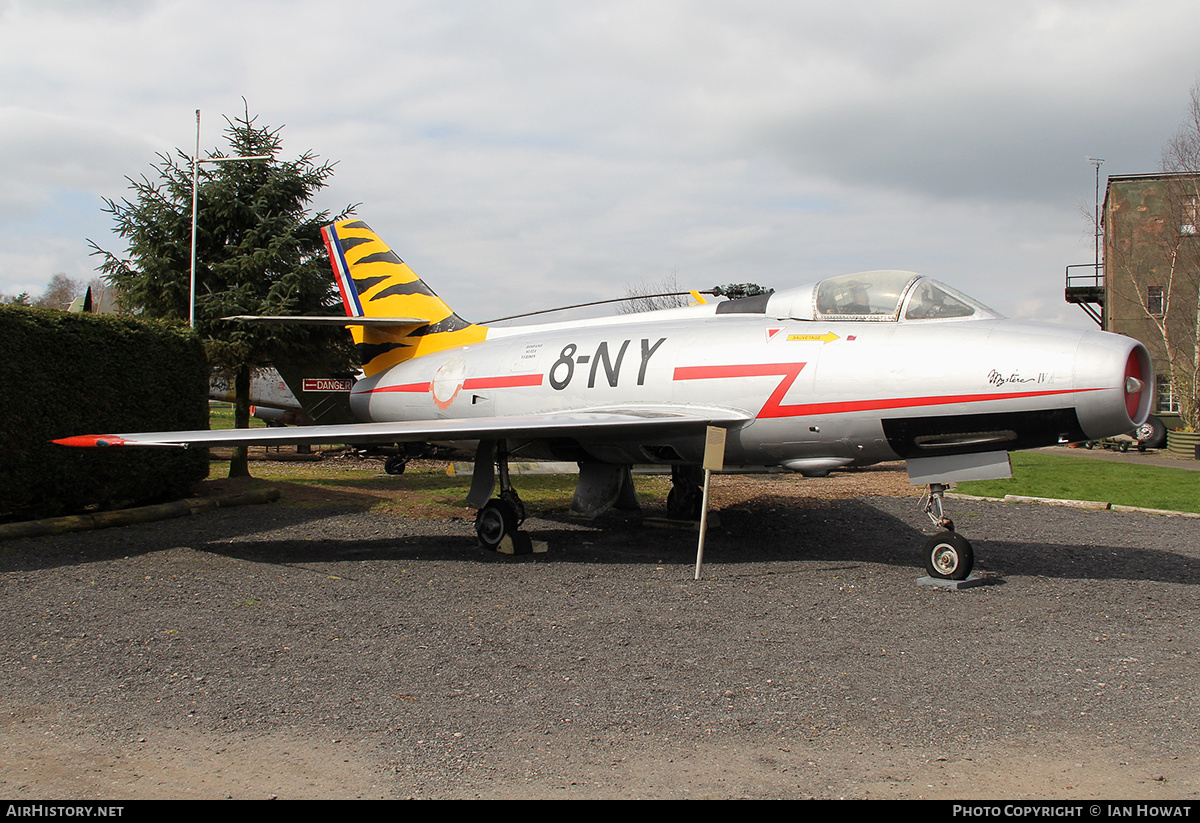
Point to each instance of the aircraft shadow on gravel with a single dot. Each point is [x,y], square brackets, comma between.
[843,532]
[770,529]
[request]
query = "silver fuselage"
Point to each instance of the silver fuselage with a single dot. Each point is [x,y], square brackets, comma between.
[820,393]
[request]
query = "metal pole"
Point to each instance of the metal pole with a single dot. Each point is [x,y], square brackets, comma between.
[196,161]
[1096,161]
[192,287]
[703,523]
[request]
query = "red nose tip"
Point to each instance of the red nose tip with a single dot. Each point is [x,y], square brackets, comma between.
[1135,387]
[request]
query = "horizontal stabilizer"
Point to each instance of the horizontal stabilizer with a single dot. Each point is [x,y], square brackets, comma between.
[330,320]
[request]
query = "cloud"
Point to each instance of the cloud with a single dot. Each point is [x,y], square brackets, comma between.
[525,153]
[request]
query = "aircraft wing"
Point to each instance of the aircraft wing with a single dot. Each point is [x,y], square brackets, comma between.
[585,425]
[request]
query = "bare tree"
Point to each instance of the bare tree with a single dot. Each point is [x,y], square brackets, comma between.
[60,293]
[1179,248]
[662,294]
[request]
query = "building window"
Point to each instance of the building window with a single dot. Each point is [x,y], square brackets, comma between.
[1191,215]
[1154,300]
[1167,402]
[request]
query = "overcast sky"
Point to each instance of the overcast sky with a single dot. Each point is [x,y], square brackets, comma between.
[521,155]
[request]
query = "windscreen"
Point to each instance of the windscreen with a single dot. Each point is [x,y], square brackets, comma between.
[870,295]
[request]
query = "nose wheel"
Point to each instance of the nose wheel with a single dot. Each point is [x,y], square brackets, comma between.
[948,555]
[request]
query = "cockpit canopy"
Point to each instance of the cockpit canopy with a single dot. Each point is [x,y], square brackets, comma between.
[877,296]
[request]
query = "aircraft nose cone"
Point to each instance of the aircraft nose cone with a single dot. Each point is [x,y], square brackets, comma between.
[1114,377]
[1135,395]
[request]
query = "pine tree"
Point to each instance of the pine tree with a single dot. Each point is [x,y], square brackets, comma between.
[258,252]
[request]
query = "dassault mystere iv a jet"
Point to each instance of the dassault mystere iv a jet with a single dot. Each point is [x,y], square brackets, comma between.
[849,371]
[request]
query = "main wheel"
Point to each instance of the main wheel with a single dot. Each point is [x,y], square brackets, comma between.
[494,521]
[948,556]
[683,503]
[395,464]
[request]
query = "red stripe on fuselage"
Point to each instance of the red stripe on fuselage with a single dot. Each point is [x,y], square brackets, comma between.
[789,371]
[906,402]
[406,387]
[508,382]
[505,382]
[772,408]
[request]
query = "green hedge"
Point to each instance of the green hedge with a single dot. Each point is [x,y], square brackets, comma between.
[67,374]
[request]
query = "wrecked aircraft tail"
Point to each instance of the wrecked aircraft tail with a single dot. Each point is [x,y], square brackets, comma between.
[376,283]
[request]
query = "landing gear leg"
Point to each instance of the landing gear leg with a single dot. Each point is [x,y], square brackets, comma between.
[684,499]
[948,555]
[498,521]
[933,506]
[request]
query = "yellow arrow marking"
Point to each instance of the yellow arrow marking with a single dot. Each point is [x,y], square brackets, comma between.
[827,337]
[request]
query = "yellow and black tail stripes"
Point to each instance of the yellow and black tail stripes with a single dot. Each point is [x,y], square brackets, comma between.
[376,283]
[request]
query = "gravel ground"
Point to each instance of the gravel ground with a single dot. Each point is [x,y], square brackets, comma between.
[313,651]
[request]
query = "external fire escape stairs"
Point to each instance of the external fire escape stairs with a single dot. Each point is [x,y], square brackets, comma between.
[1085,288]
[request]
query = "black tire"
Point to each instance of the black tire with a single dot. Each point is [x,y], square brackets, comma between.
[395,465]
[1158,436]
[948,556]
[495,520]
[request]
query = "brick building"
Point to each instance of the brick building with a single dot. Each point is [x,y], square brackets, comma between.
[1147,284]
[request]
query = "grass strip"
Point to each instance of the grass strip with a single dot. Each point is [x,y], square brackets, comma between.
[1081,478]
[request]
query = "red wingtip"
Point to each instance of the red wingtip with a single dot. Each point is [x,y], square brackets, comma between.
[90,441]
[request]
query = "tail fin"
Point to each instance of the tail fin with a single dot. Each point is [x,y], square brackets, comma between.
[374,282]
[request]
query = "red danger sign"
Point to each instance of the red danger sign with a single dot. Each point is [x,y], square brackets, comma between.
[326,384]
